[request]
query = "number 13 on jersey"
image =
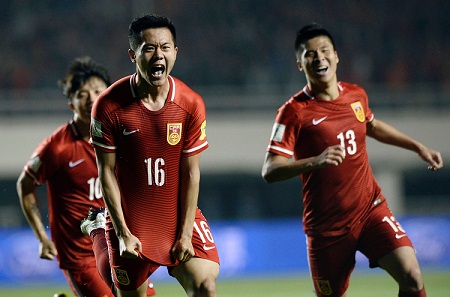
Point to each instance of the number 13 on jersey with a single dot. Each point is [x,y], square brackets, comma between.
[348,141]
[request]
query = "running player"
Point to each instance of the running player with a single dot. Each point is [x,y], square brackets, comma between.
[66,162]
[324,128]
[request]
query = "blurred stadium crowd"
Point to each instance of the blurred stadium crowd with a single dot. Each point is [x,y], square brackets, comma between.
[229,42]
[398,50]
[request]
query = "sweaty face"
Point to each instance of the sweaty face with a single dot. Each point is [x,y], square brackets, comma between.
[82,101]
[318,60]
[156,56]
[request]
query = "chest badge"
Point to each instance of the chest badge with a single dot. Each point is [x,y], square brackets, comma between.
[174,133]
[359,111]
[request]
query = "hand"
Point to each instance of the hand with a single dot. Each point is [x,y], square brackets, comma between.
[331,156]
[47,249]
[183,250]
[432,157]
[130,246]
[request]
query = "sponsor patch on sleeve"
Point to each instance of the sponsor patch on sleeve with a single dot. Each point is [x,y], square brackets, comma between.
[278,132]
[35,163]
[96,128]
[203,130]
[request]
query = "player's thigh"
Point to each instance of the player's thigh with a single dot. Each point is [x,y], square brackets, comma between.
[196,273]
[87,282]
[203,268]
[381,235]
[203,240]
[331,262]
[400,263]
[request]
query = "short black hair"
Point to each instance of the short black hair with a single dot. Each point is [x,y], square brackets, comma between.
[82,69]
[311,31]
[147,22]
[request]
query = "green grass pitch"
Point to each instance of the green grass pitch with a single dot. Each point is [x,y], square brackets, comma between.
[361,285]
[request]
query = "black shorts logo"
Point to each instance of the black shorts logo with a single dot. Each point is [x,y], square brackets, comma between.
[122,276]
[324,287]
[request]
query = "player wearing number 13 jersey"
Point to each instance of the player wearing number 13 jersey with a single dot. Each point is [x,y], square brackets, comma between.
[305,127]
[323,128]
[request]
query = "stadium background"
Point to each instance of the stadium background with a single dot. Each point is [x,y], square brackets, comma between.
[239,56]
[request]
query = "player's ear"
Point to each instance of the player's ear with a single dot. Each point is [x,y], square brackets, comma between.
[299,65]
[69,102]
[132,55]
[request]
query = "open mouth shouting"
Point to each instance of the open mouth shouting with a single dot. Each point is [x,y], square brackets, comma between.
[157,71]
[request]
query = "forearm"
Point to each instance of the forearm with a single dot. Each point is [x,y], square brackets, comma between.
[387,134]
[30,209]
[190,184]
[111,196]
[277,168]
[106,164]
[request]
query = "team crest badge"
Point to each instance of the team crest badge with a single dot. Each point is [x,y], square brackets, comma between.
[324,287]
[174,133]
[122,276]
[359,111]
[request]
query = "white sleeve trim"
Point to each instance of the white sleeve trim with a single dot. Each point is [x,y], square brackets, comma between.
[282,150]
[104,146]
[195,148]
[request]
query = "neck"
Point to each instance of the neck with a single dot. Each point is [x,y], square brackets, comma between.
[153,96]
[82,127]
[325,91]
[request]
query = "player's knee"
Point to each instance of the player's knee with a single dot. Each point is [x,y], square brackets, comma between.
[412,280]
[207,288]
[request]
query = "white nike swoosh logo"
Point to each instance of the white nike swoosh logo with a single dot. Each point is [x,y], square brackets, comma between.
[73,164]
[399,236]
[317,122]
[125,132]
[207,248]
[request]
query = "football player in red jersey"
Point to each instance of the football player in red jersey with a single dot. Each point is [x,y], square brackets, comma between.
[148,130]
[324,128]
[66,162]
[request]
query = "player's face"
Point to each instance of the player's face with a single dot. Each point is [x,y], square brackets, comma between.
[318,60]
[156,56]
[82,100]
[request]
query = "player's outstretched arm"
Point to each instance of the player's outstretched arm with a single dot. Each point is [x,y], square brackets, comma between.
[386,133]
[26,190]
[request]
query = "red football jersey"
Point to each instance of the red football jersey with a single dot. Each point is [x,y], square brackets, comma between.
[66,162]
[149,146]
[334,197]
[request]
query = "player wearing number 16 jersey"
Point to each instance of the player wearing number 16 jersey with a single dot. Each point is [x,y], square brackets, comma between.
[324,128]
[149,130]
[148,147]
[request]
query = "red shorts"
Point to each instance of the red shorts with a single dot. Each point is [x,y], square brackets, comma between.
[332,259]
[86,281]
[129,274]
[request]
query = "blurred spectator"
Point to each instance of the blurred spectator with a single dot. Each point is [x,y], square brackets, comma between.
[229,42]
